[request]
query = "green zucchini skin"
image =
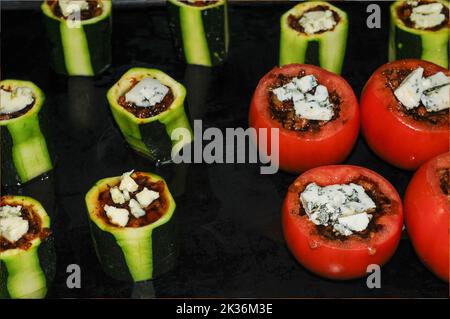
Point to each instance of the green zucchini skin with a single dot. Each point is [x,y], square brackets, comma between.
[326,49]
[24,151]
[410,43]
[27,274]
[151,137]
[82,51]
[134,254]
[201,34]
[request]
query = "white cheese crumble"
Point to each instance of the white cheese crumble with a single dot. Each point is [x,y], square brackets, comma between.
[127,183]
[68,7]
[16,100]
[136,208]
[311,100]
[147,93]
[12,225]
[117,216]
[427,15]
[146,197]
[432,91]
[346,207]
[116,195]
[315,21]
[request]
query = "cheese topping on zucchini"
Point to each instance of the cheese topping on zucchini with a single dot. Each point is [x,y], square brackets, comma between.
[346,207]
[147,93]
[68,7]
[427,15]
[12,225]
[316,21]
[433,92]
[311,100]
[16,100]
[122,195]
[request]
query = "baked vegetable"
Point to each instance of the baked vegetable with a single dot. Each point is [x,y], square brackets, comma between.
[314,32]
[132,224]
[200,30]
[27,259]
[148,119]
[24,153]
[419,30]
[83,49]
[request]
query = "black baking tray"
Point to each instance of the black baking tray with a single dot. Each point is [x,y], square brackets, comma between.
[231,243]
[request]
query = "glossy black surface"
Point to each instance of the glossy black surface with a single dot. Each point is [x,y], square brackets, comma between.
[231,240]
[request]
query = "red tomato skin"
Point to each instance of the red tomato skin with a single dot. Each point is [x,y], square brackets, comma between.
[331,259]
[399,140]
[299,152]
[427,212]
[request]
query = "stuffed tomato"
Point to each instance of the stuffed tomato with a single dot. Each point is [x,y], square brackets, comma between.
[404,112]
[339,219]
[427,211]
[315,111]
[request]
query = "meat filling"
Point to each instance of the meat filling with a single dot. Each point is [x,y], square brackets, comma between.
[34,230]
[4,117]
[405,11]
[383,206]
[95,9]
[284,112]
[444,179]
[394,77]
[153,212]
[199,3]
[294,21]
[146,112]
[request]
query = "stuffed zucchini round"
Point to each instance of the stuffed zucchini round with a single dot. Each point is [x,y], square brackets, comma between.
[200,30]
[314,32]
[27,259]
[419,30]
[148,105]
[133,225]
[79,34]
[24,152]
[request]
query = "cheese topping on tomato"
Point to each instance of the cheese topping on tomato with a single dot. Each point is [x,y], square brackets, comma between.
[345,207]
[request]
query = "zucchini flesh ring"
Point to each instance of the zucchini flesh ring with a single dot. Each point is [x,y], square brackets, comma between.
[326,49]
[133,254]
[410,43]
[201,34]
[83,49]
[24,152]
[151,137]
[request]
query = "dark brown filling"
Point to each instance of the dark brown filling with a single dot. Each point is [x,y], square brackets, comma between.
[444,179]
[146,112]
[394,77]
[34,229]
[199,3]
[95,9]
[152,213]
[4,117]
[284,112]
[294,21]
[383,206]
[405,10]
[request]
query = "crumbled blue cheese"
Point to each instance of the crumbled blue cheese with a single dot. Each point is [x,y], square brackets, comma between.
[127,183]
[311,100]
[346,207]
[432,91]
[136,208]
[117,216]
[12,225]
[116,195]
[147,93]
[16,100]
[315,21]
[146,197]
[427,15]
[68,7]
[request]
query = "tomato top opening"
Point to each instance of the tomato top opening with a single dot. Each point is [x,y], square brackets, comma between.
[386,222]
[343,94]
